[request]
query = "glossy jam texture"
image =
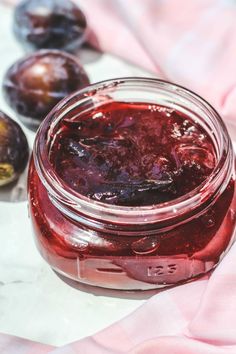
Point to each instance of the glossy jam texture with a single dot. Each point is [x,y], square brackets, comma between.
[132,154]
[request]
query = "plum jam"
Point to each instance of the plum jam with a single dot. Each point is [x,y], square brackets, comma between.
[132,154]
[131,185]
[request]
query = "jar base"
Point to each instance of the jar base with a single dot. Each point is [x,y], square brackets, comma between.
[138,288]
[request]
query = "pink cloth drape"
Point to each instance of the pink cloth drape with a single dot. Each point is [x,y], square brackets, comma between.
[192,43]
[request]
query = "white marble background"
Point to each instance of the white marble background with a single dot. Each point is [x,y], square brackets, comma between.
[34,302]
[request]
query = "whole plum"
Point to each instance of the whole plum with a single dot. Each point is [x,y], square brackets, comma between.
[14,150]
[50,24]
[36,83]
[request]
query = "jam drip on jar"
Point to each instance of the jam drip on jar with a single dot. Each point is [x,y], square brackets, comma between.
[132,154]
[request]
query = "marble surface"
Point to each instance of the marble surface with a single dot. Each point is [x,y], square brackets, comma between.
[34,302]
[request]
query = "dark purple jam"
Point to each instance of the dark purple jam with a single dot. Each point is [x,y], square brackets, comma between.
[132,154]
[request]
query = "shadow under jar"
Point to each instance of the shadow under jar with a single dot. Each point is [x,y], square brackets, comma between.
[131,185]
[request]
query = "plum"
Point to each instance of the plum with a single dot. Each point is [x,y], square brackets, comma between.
[50,24]
[14,150]
[36,83]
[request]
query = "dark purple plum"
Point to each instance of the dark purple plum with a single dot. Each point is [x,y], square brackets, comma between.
[14,150]
[36,83]
[50,24]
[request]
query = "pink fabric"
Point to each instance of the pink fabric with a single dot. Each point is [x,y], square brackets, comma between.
[192,43]
[14,345]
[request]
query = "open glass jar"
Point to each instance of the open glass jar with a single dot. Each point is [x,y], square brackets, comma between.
[132,247]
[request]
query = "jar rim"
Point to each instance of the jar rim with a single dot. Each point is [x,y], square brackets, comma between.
[142,214]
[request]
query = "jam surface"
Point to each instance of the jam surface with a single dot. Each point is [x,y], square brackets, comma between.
[132,154]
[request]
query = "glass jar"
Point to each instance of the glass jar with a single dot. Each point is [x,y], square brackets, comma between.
[124,247]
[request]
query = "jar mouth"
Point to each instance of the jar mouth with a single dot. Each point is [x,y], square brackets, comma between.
[143,214]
